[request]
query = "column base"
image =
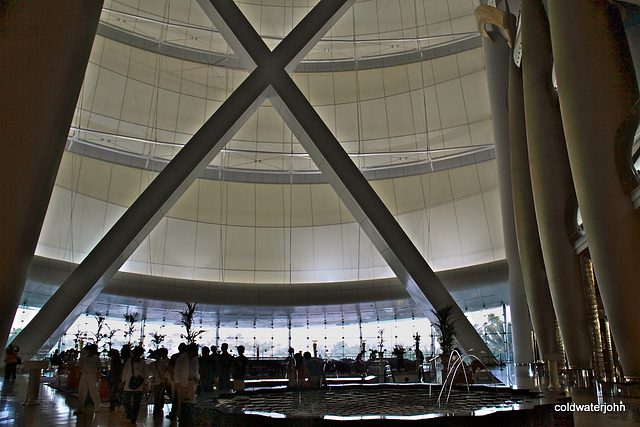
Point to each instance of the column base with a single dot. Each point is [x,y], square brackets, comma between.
[554,379]
[579,378]
[619,389]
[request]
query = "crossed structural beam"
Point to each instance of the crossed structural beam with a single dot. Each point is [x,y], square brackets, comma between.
[269,78]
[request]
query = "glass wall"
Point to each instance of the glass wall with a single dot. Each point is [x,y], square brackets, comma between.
[332,341]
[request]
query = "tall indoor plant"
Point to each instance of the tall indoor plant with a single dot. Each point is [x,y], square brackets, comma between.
[446,327]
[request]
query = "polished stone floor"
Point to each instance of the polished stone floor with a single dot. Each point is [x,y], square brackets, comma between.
[629,397]
[55,408]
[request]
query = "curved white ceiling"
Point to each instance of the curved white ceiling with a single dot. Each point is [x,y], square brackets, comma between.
[239,224]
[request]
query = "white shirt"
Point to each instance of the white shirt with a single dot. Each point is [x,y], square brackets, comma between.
[138,368]
[90,365]
[181,370]
[158,370]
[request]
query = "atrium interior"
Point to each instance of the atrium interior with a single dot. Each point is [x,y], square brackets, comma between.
[329,175]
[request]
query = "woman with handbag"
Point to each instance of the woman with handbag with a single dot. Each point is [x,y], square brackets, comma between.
[136,383]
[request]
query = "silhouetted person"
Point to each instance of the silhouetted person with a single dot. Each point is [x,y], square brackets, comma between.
[186,375]
[291,369]
[314,370]
[158,370]
[359,365]
[125,353]
[239,370]
[225,361]
[182,348]
[56,361]
[11,363]
[114,379]
[419,362]
[207,371]
[301,372]
[216,365]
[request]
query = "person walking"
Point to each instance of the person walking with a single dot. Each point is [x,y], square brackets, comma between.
[158,370]
[136,383]
[90,367]
[186,375]
[114,379]
[182,348]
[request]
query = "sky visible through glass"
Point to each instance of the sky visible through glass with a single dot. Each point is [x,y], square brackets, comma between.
[334,342]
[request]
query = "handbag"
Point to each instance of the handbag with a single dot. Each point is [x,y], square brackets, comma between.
[136,380]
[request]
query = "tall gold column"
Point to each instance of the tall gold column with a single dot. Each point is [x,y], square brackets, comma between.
[497,56]
[552,184]
[601,367]
[598,94]
[533,270]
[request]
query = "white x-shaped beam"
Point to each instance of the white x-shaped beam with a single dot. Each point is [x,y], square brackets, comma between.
[269,77]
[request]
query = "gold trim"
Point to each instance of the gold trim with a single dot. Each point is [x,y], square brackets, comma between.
[490,15]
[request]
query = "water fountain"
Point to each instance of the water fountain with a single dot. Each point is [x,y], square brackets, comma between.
[360,402]
[459,362]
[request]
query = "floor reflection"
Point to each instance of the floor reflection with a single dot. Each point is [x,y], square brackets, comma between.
[55,408]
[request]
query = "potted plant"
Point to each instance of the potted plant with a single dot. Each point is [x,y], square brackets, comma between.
[446,326]
[130,319]
[187,317]
[157,338]
[398,352]
[98,336]
[109,337]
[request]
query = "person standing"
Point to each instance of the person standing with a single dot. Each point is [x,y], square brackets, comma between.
[158,370]
[186,375]
[136,383]
[90,367]
[182,348]
[419,362]
[239,370]
[11,363]
[315,370]
[115,379]
[216,366]
[301,371]
[225,361]
[206,364]
[291,369]
[56,361]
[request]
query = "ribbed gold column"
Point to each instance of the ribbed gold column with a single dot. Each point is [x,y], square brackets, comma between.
[595,332]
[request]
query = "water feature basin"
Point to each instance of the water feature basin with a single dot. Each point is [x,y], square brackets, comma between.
[367,402]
